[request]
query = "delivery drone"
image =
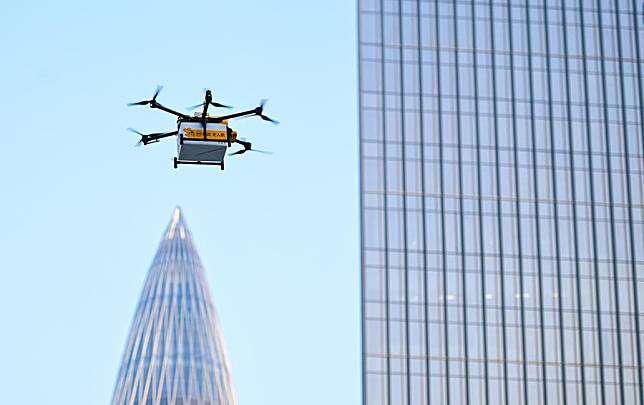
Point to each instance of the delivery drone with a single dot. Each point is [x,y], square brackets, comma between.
[202,139]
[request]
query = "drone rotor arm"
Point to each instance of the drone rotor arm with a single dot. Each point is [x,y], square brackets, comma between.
[159,106]
[204,114]
[150,138]
[239,152]
[246,145]
[234,115]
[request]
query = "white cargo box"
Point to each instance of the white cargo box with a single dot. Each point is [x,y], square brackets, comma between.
[194,147]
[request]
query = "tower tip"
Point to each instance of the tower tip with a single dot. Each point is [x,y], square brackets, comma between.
[176,224]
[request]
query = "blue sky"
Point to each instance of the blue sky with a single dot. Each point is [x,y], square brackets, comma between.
[83,210]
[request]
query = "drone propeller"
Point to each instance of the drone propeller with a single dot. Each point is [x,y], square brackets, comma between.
[138,133]
[259,111]
[241,151]
[216,104]
[209,101]
[212,103]
[248,147]
[265,152]
[194,107]
[146,102]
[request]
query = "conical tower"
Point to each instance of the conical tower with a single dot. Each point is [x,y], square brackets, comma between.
[175,352]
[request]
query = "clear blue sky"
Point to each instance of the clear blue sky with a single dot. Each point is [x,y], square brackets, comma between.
[83,210]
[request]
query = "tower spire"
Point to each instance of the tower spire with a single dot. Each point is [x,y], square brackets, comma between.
[175,351]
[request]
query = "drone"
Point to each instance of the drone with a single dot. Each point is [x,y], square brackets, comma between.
[202,139]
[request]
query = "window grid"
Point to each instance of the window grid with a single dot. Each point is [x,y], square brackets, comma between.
[502,193]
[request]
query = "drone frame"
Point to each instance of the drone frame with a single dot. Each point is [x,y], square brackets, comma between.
[203,120]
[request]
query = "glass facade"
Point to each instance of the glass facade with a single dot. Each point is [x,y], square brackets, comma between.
[175,352]
[502,178]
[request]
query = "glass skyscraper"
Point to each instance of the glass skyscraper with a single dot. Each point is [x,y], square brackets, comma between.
[502,178]
[175,352]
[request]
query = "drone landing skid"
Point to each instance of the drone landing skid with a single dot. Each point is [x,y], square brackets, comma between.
[178,162]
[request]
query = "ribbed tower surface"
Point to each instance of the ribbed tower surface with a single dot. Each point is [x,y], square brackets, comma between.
[175,352]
